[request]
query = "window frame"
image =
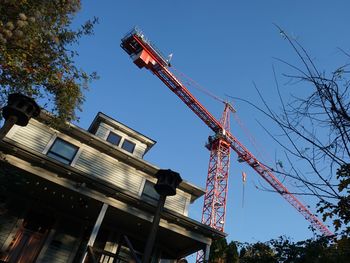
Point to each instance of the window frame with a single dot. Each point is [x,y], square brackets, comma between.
[114,134]
[61,158]
[131,143]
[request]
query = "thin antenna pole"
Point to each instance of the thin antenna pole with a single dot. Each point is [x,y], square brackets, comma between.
[244,179]
[243,195]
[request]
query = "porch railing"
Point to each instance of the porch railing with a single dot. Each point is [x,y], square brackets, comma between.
[97,255]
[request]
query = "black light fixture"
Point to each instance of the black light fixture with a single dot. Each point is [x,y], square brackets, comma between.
[166,185]
[19,110]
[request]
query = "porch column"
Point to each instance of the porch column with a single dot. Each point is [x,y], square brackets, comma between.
[96,228]
[206,253]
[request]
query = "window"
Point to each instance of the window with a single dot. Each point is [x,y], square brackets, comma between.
[114,138]
[62,151]
[128,146]
[149,192]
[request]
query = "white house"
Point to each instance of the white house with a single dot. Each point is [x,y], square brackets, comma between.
[71,195]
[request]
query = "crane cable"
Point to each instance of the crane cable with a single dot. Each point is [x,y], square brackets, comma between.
[261,153]
[196,85]
[259,149]
[192,83]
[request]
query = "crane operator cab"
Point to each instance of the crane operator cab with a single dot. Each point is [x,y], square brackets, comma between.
[142,51]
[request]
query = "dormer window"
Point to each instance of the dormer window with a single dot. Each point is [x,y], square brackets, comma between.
[128,146]
[62,151]
[114,138]
[118,134]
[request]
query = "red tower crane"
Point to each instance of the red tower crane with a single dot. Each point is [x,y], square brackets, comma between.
[146,55]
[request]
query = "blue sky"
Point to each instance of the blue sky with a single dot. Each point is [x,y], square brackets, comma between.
[225,46]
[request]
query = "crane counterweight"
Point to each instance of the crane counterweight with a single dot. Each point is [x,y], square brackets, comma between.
[141,50]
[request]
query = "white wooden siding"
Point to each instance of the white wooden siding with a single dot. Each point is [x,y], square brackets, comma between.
[124,176]
[140,149]
[7,223]
[102,132]
[176,203]
[35,136]
[109,169]
[62,247]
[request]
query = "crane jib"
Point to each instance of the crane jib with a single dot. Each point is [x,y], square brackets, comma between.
[146,55]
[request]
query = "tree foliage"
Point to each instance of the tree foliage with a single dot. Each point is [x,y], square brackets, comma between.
[221,252]
[282,250]
[320,250]
[232,253]
[37,55]
[217,250]
[258,252]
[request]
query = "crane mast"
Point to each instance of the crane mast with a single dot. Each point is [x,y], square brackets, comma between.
[214,208]
[145,55]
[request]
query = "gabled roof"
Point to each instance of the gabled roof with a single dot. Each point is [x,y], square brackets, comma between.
[103,118]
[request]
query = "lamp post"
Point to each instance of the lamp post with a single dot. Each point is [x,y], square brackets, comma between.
[19,110]
[166,185]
